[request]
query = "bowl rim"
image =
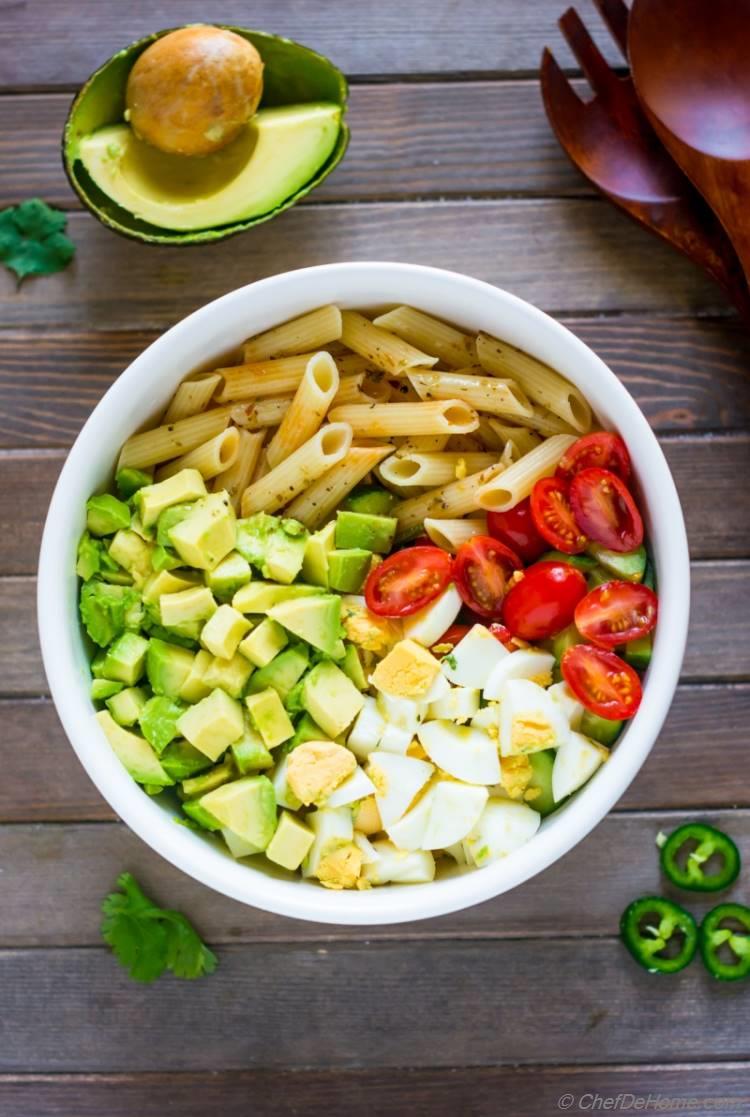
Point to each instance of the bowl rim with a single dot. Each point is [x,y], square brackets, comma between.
[192,853]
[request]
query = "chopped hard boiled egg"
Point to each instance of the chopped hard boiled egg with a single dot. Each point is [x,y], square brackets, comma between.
[521,664]
[474,658]
[488,719]
[575,762]
[529,719]
[408,671]
[568,703]
[401,716]
[285,797]
[460,704]
[367,730]
[429,624]
[456,808]
[397,779]
[316,768]
[408,831]
[332,827]
[503,827]
[464,753]
[373,633]
[355,787]
[364,845]
[397,866]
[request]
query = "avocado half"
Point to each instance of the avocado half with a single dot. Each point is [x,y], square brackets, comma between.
[293,75]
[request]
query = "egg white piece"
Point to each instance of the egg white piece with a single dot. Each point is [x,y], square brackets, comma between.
[439,689]
[575,763]
[398,866]
[365,847]
[475,658]
[397,780]
[568,703]
[285,797]
[357,786]
[529,719]
[488,718]
[465,753]
[429,624]
[454,811]
[330,825]
[401,716]
[503,827]
[408,832]
[367,730]
[458,853]
[521,664]
[460,704]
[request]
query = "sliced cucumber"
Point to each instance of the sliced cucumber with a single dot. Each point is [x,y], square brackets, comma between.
[630,565]
[599,729]
[581,562]
[542,764]
[638,652]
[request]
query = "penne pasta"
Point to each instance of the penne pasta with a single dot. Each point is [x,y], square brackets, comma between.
[544,423]
[453,348]
[359,389]
[314,506]
[485,393]
[301,335]
[238,476]
[465,444]
[522,438]
[210,459]
[423,443]
[192,396]
[450,534]
[275,377]
[306,412]
[491,439]
[172,439]
[447,503]
[260,414]
[311,460]
[384,349]
[541,383]
[431,470]
[349,364]
[386,419]
[516,482]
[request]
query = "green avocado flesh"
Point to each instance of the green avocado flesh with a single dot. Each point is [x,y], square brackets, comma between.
[278,152]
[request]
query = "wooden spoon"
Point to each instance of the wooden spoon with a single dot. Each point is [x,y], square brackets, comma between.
[690,61]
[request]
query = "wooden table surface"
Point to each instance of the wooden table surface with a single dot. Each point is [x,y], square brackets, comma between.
[518,1003]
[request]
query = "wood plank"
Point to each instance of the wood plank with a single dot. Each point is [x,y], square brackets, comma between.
[59,789]
[562,254]
[433,1092]
[277,1006]
[50,902]
[500,37]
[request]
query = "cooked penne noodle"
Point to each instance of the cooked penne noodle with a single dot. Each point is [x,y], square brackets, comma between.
[239,475]
[349,364]
[541,383]
[429,334]
[261,468]
[310,461]
[307,410]
[172,439]
[448,503]
[464,444]
[423,444]
[490,438]
[192,396]
[543,422]
[385,419]
[385,350]
[261,413]
[301,335]
[431,470]
[210,459]
[450,534]
[358,389]
[523,439]
[314,506]
[275,377]
[485,393]
[516,482]
[510,453]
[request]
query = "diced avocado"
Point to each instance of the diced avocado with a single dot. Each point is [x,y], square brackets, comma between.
[365,531]
[264,642]
[128,481]
[135,754]
[314,619]
[305,730]
[207,535]
[541,764]
[348,569]
[259,597]
[163,582]
[226,578]
[222,634]
[629,566]
[247,807]
[230,675]
[581,562]
[269,718]
[133,554]
[213,723]
[136,524]
[180,760]
[96,665]
[185,634]
[352,666]
[106,610]
[319,546]
[126,706]
[638,652]
[195,687]
[126,659]
[164,558]
[291,843]
[170,518]
[597,577]
[200,815]
[331,698]
[272,544]
[369,499]
[249,753]
[151,500]
[167,667]
[106,514]
[94,558]
[568,638]
[102,689]
[195,786]
[237,846]
[599,729]
[158,720]
[293,701]
[282,673]
[194,604]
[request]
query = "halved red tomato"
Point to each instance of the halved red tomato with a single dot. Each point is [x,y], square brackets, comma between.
[616,613]
[407,581]
[602,449]
[605,510]
[452,635]
[481,570]
[604,683]
[543,602]
[516,528]
[553,516]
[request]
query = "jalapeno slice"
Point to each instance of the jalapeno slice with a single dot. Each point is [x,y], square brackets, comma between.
[661,936]
[700,858]
[724,940]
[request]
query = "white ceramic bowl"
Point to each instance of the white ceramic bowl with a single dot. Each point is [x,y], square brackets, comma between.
[139,395]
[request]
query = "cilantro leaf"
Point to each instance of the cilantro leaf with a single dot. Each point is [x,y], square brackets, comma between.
[147,940]
[32,239]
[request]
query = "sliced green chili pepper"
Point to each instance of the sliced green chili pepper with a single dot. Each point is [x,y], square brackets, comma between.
[733,941]
[689,870]
[659,934]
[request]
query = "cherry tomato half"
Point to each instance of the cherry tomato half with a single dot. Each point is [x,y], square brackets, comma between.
[602,449]
[407,581]
[516,528]
[452,635]
[502,633]
[543,602]
[604,683]
[616,613]
[605,510]
[481,569]
[554,517]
